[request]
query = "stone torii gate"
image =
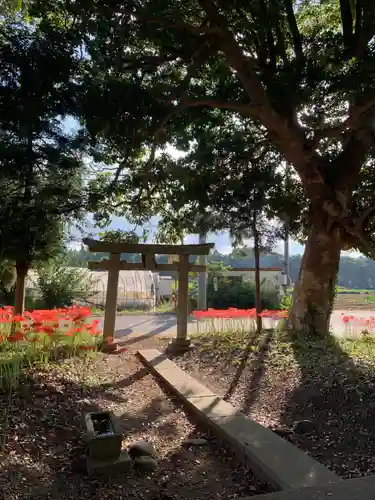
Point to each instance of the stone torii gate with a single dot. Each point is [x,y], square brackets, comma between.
[148,262]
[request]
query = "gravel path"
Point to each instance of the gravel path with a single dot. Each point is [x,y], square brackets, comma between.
[42,458]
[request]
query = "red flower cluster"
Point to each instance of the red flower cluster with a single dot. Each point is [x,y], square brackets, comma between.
[358,321]
[40,324]
[234,313]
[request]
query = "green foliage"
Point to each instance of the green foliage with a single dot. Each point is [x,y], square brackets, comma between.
[120,236]
[239,294]
[7,281]
[42,168]
[63,286]
[286,302]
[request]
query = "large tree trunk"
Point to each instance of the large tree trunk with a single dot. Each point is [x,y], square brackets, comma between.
[314,293]
[21,269]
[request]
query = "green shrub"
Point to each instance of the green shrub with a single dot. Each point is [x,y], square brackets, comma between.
[63,286]
[286,302]
[239,294]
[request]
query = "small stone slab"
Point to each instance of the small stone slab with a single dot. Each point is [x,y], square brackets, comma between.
[272,458]
[145,464]
[362,488]
[141,449]
[109,467]
[304,427]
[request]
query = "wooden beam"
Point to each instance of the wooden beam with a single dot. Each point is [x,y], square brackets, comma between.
[146,248]
[105,265]
[183,296]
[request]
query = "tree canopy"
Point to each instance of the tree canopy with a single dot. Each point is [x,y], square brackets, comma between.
[241,87]
[42,169]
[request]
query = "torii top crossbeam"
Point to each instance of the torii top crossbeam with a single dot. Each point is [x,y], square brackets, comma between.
[148,248]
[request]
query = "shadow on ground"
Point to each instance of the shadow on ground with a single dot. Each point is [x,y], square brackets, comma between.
[336,393]
[44,449]
[282,379]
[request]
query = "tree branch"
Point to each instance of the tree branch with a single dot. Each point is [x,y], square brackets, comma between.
[195,30]
[352,123]
[297,41]
[364,26]
[288,137]
[347,22]
[356,228]
[242,108]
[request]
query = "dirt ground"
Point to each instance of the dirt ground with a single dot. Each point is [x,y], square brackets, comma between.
[43,454]
[355,301]
[283,382]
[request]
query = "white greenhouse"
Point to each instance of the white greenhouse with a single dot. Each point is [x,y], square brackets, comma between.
[136,289]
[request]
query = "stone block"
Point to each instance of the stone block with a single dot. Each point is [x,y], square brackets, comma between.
[122,465]
[103,437]
[145,464]
[141,449]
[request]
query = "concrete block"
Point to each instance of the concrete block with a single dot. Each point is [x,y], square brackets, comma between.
[272,458]
[156,360]
[176,378]
[212,407]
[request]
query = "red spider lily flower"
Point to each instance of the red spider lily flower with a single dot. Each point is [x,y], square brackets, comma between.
[16,337]
[46,329]
[78,329]
[19,317]
[233,312]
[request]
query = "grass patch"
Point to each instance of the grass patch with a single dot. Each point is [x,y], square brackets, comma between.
[290,350]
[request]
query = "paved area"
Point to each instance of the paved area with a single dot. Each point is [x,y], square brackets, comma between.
[148,325]
[272,459]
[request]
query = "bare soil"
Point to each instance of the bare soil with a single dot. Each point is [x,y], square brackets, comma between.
[43,454]
[354,301]
[278,381]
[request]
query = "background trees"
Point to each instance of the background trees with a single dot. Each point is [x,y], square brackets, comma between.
[301,73]
[242,88]
[42,169]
